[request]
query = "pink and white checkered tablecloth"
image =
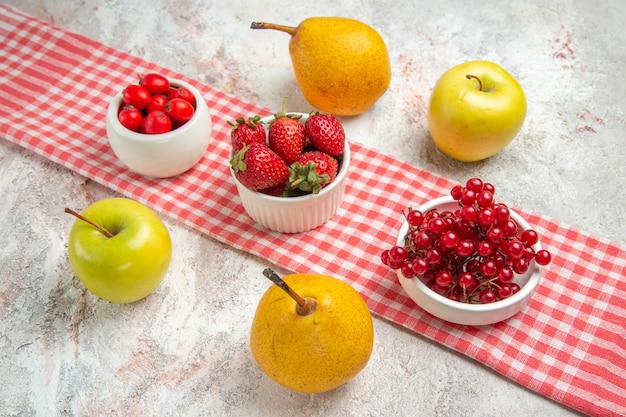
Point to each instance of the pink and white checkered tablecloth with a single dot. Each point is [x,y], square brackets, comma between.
[569,344]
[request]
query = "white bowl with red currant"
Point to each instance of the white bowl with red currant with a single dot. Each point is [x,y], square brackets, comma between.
[290,168]
[466,258]
[158,127]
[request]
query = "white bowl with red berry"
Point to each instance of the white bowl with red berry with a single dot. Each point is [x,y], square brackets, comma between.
[158,127]
[290,169]
[466,258]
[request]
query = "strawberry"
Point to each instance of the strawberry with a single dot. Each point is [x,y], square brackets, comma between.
[275,191]
[258,167]
[286,136]
[325,133]
[312,171]
[246,131]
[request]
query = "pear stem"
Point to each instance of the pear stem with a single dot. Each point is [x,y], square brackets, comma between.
[305,306]
[91,222]
[262,25]
[480,84]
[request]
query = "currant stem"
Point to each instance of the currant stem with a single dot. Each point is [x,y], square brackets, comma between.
[480,84]
[91,222]
[305,306]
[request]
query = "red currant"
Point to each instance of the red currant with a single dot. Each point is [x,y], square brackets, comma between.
[437,226]
[502,212]
[468,213]
[468,197]
[456,192]
[486,217]
[407,270]
[470,254]
[505,274]
[474,184]
[488,268]
[444,278]
[415,218]
[484,199]
[433,256]
[420,266]
[505,291]
[397,254]
[449,240]
[467,281]
[543,257]
[487,296]
[529,237]
[422,239]
[464,248]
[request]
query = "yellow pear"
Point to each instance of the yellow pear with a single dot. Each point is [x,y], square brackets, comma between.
[311,333]
[341,64]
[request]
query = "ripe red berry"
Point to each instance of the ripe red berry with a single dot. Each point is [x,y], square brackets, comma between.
[157,122]
[257,167]
[136,96]
[155,83]
[473,253]
[179,110]
[130,117]
[312,171]
[247,131]
[182,92]
[325,133]
[286,137]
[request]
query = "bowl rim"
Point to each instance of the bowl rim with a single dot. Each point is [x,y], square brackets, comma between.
[116,102]
[343,172]
[525,291]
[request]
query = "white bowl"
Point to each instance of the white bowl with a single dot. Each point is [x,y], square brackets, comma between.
[464,313]
[295,214]
[166,154]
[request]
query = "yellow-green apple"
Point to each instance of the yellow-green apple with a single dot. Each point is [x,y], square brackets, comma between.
[475,110]
[119,249]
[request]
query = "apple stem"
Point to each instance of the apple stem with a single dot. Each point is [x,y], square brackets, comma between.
[305,306]
[91,222]
[262,25]
[480,84]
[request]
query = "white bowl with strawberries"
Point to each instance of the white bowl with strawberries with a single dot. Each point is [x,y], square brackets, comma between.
[290,169]
[159,127]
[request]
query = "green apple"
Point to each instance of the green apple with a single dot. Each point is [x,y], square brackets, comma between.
[119,249]
[475,110]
